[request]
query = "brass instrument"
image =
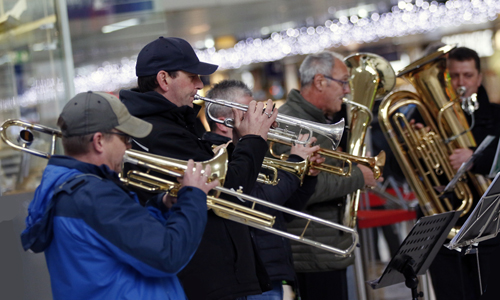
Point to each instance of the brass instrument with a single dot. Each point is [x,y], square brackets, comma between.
[424,154]
[299,169]
[174,167]
[372,77]
[272,167]
[375,163]
[332,131]
[223,208]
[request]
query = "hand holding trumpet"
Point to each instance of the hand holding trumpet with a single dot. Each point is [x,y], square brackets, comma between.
[256,120]
[308,151]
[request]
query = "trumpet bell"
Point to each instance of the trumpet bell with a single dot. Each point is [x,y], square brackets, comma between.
[175,167]
[332,131]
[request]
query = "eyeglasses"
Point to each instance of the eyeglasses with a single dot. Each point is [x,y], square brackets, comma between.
[127,139]
[345,84]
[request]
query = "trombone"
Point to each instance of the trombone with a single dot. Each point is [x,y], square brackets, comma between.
[376,164]
[246,215]
[333,131]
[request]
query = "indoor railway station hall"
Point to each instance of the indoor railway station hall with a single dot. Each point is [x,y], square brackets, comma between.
[250,149]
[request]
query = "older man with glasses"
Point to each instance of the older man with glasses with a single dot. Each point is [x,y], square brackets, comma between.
[324,82]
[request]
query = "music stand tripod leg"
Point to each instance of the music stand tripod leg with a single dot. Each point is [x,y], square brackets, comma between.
[471,250]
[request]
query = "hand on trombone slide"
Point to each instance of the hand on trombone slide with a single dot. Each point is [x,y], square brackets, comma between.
[193,176]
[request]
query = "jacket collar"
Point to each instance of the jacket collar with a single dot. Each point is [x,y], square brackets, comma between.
[215,138]
[144,105]
[102,171]
[298,102]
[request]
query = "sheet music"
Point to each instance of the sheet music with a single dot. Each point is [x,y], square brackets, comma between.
[466,165]
[483,223]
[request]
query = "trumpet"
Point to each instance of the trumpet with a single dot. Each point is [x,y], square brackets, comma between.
[144,180]
[376,164]
[333,131]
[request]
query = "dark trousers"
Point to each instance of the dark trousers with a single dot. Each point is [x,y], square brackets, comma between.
[455,276]
[323,285]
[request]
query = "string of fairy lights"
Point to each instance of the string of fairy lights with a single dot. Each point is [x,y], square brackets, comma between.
[406,18]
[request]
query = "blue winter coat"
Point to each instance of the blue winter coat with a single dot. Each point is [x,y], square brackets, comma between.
[99,243]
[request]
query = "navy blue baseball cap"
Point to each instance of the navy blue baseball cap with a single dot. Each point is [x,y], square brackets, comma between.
[170,54]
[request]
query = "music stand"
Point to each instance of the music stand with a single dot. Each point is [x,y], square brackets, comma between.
[483,223]
[417,252]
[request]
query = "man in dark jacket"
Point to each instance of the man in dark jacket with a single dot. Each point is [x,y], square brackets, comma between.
[99,242]
[455,276]
[225,265]
[274,250]
[322,275]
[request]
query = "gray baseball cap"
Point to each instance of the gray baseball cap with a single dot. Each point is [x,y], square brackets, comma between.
[93,112]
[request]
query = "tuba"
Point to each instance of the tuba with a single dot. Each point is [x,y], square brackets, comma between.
[372,77]
[423,153]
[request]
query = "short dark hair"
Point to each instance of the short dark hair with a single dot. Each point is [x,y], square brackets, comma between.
[228,90]
[463,54]
[149,83]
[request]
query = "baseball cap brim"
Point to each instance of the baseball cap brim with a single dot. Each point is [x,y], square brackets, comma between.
[201,68]
[135,127]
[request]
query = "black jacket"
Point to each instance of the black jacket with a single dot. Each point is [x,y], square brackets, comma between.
[274,250]
[225,266]
[487,122]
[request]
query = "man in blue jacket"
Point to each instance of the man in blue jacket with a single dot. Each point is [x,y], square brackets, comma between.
[99,242]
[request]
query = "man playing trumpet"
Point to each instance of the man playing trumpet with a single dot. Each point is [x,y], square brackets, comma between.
[225,266]
[274,250]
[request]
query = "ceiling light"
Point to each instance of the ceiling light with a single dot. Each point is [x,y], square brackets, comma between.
[120,25]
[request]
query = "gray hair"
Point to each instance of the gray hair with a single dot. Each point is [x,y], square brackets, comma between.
[319,63]
[229,90]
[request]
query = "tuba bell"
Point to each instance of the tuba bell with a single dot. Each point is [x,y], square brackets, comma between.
[372,77]
[423,154]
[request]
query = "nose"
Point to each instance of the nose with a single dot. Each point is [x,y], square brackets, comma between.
[199,83]
[128,146]
[347,89]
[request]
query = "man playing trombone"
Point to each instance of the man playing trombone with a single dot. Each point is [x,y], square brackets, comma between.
[324,82]
[274,250]
[99,242]
[225,265]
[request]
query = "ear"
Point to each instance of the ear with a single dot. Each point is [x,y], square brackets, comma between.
[162,78]
[98,142]
[221,127]
[318,82]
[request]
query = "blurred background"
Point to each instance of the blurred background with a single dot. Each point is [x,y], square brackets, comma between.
[52,49]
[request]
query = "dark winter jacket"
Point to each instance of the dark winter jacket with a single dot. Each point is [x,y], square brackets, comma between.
[273,249]
[487,122]
[225,265]
[100,243]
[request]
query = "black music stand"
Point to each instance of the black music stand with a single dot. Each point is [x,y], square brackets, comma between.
[483,223]
[417,252]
